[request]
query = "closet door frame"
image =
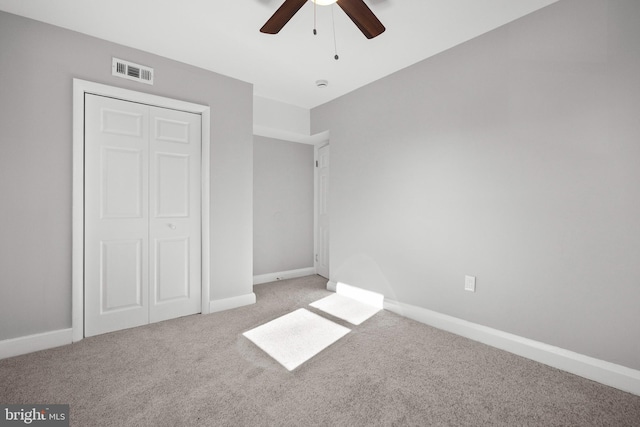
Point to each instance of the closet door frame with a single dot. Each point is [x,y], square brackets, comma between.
[80,88]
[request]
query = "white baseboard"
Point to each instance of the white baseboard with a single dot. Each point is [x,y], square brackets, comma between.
[291,274]
[30,343]
[233,302]
[607,373]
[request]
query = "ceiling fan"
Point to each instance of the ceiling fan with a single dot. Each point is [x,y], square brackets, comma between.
[357,10]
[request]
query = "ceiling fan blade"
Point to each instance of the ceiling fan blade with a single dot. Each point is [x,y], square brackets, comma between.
[282,16]
[363,17]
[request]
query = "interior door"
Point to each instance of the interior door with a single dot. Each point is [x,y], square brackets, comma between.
[175,280]
[142,214]
[322,251]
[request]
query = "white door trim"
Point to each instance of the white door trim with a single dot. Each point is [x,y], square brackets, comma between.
[80,87]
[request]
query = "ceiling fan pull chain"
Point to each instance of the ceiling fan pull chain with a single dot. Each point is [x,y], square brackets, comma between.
[335,43]
[314,19]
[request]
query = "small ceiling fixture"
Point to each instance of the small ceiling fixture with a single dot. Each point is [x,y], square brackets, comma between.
[322,83]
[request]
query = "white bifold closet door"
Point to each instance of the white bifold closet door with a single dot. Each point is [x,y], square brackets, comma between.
[142,214]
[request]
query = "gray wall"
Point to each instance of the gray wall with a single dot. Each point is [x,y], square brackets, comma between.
[37,64]
[514,157]
[282,205]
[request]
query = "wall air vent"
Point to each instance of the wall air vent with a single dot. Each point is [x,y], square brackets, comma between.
[131,71]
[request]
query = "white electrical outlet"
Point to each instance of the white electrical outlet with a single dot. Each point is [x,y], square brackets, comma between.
[470,283]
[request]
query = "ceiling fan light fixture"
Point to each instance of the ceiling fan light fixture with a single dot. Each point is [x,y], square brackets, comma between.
[356,10]
[324,2]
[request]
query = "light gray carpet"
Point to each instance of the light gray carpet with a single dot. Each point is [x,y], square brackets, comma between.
[201,371]
[296,337]
[345,308]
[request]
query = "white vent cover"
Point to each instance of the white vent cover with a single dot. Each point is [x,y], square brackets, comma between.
[131,71]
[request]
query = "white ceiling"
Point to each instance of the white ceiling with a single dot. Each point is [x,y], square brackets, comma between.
[223,36]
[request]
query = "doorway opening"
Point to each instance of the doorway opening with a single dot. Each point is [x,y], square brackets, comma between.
[322,211]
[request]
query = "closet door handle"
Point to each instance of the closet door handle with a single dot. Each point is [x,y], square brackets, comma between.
[171,226]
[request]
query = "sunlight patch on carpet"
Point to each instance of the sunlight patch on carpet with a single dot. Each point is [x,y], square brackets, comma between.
[296,337]
[345,308]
